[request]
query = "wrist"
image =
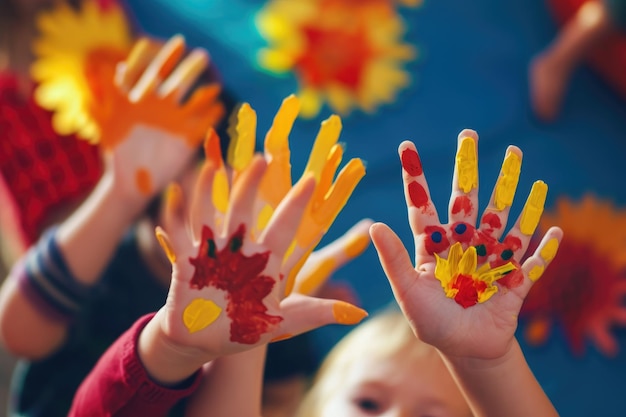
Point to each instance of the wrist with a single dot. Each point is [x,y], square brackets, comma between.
[479,364]
[166,361]
[126,205]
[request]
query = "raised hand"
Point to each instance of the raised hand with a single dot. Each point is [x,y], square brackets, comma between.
[143,123]
[228,283]
[467,286]
[331,193]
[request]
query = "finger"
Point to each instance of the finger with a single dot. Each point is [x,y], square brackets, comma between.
[221,187]
[279,233]
[202,100]
[495,216]
[202,210]
[302,314]
[185,75]
[520,234]
[463,205]
[535,265]
[166,244]
[393,258]
[243,195]
[322,263]
[129,71]
[159,68]
[326,138]
[429,236]
[243,139]
[174,216]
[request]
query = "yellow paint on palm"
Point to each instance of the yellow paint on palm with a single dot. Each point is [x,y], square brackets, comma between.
[346,313]
[548,252]
[243,139]
[533,209]
[165,244]
[200,313]
[326,138]
[507,183]
[277,179]
[536,272]
[317,277]
[467,165]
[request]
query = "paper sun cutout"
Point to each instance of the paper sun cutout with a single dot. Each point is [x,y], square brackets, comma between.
[348,54]
[76,51]
[584,287]
[463,281]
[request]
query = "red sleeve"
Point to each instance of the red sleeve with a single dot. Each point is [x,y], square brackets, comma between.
[119,386]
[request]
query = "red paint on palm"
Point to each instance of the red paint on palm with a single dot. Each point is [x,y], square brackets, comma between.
[241,276]
[468,290]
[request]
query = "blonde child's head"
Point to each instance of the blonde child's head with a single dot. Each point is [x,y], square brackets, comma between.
[382,369]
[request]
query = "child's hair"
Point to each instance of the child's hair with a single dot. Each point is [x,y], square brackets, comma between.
[385,334]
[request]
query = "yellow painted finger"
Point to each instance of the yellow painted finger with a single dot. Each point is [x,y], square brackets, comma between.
[327,176]
[243,139]
[326,138]
[533,209]
[467,165]
[199,314]
[135,64]
[185,74]
[508,180]
[317,276]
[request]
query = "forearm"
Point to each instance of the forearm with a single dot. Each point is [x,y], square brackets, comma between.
[231,386]
[89,237]
[501,387]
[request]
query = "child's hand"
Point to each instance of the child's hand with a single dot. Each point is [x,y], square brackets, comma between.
[149,134]
[228,285]
[467,286]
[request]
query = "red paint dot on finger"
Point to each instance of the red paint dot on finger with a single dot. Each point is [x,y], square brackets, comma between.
[462,203]
[512,242]
[418,195]
[436,240]
[411,162]
[492,220]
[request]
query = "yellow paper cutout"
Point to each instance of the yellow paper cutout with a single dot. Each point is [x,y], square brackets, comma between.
[533,209]
[536,272]
[346,313]
[467,164]
[165,244]
[200,313]
[548,252]
[74,50]
[507,183]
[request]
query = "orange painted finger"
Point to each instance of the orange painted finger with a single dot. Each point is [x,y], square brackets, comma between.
[185,75]
[129,71]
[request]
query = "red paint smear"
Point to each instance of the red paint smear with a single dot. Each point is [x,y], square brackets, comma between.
[462,203]
[411,162]
[240,276]
[513,279]
[492,220]
[468,290]
[463,237]
[418,196]
[512,242]
[434,247]
[490,243]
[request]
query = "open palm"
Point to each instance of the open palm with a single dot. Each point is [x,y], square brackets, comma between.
[465,290]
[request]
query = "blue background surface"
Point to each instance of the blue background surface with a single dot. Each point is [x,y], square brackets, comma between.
[472,72]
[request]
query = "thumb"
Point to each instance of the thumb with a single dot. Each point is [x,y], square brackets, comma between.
[303,313]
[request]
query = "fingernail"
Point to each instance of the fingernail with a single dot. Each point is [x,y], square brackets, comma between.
[165,244]
[346,313]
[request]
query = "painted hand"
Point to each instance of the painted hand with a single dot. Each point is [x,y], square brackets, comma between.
[150,135]
[228,286]
[331,194]
[467,286]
